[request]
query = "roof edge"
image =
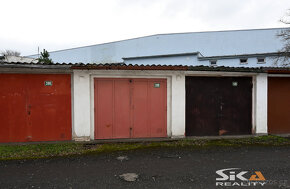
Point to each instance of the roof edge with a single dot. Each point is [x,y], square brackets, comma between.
[161,34]
[161,55]
[33,65]
[271,54]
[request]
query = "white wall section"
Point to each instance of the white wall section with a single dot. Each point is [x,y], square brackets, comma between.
[84,99]
[81,116]
[261,98]
[178,105]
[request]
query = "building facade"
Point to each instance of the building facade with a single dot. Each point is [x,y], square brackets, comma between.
[172,85]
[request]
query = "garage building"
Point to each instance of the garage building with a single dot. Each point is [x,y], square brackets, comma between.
[172,85]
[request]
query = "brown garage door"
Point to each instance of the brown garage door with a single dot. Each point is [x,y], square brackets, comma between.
[130,108]
[35,107]
[218,106]
[278,105]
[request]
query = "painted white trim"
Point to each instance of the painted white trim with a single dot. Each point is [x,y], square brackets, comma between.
[72,106]
[92,108]
[81,116]
[178,105]
[254,87]
[261,108]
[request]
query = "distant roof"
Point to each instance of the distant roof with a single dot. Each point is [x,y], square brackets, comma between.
[12,58]
[209,44]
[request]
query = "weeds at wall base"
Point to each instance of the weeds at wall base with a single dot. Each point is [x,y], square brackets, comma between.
[34,151]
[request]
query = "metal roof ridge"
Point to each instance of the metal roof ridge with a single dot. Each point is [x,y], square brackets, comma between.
[162,55]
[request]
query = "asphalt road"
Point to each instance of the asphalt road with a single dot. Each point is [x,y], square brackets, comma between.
[156,168]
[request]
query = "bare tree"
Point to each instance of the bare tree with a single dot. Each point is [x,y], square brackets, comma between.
[10,53]
[284,54]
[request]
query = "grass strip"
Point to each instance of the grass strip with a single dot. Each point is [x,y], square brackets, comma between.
[31,151]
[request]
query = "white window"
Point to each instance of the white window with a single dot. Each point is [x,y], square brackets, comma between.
[243,61]
[213,62]
[261,60]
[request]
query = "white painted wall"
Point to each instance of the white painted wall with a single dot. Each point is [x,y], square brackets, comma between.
[81,105]
[83,98]
[261,105]
[178,105]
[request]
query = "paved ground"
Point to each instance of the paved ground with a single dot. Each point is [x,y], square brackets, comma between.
[156,168]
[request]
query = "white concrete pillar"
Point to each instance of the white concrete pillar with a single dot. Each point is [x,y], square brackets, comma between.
[178,106]
[261,104]
[81,105]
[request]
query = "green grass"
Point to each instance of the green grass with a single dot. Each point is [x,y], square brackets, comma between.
[29,151]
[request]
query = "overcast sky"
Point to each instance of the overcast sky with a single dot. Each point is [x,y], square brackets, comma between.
[61,24]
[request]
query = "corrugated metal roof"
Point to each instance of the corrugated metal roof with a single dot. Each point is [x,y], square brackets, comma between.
[123,66]
[210,44]
[128,67]
[4,64]
[226,69]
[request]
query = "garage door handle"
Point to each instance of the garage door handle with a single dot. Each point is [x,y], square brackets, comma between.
[28,111]
[131,131]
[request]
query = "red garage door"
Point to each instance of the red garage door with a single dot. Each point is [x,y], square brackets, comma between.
[278,105]
[35,107]
[130,108]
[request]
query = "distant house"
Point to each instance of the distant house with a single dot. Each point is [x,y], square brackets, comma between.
[169,85]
